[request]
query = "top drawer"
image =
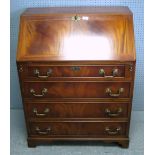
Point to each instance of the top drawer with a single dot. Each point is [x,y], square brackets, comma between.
[104,72]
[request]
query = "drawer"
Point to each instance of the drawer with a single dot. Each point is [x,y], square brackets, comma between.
[107,129]
[47,72]
[77,110]
[77,89]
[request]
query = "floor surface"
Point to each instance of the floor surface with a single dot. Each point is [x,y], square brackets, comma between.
[19,143]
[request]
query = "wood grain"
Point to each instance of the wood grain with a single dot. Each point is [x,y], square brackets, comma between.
[58,37]
[76,89]
[77,110]
[77,71]
[71,52]
[48,11]
[78,128]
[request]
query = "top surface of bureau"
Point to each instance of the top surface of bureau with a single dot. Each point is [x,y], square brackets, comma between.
[73,34]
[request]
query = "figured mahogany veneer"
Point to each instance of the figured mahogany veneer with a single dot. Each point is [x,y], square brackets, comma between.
[88,89]
[76,69]
[46,72]
[50,110]
[78,129]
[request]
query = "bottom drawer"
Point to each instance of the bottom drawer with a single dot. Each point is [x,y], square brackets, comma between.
[106,129]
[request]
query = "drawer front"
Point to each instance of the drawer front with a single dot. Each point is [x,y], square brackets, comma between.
[77,110]
[46,72]
[107,129]
[77,89]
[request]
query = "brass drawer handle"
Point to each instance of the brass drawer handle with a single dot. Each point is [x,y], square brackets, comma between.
[114,73]
[44,91]
[46,111]
[112,131]
[46,132]
[37,73]
[109,91]
[112,114]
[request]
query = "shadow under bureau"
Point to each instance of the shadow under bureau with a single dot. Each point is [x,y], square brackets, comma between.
[76,70]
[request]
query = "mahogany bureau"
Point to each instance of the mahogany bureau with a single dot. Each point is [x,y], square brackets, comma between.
[76,69]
